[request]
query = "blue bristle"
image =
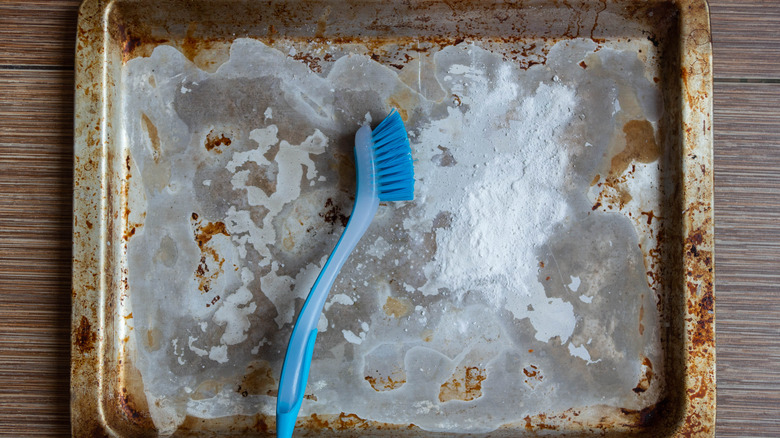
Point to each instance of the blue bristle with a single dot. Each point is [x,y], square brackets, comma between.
[393,159]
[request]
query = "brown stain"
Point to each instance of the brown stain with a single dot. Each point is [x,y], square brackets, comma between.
[403,100]
[532,371]
[386,383]
[650,216]
[205,233]
[214,142]
[288,242]
[624,197]
[83,337]
[595,180]
[465,384]
[641,146]
[311,61]
[152,340]
[583,65]
[427,335]
[641,317]
[322,23]
[205,273]
[206,389]
[701,302]
[397,307]
[344,422]
[131,404]
[333,214]
[258,178]
[154,137]
[538,423]
[533,375]
[456,100]
[649,416]
[258,380]
[134,411]
[646,376]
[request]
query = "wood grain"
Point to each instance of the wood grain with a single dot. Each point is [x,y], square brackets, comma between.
[746,38]
[38,32]
[35,228]
[36,46]
[747,258]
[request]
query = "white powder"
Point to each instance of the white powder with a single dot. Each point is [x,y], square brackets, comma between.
[512,201]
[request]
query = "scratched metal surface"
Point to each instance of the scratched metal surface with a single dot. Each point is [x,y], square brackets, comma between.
[213,175]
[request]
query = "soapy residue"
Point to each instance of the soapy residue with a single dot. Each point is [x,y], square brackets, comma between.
[501,265]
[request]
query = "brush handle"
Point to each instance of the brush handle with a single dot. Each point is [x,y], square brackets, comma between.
[295,371]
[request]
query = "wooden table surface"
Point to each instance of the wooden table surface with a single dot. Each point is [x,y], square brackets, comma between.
[36,99]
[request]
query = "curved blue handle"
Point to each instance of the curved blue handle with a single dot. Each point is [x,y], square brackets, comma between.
[295,371]
[287,415]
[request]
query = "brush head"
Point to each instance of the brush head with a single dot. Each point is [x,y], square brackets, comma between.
[393,168]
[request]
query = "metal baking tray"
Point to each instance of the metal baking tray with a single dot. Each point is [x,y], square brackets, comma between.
[554,275]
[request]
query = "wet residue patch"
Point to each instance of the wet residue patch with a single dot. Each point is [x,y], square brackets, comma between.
[465,385]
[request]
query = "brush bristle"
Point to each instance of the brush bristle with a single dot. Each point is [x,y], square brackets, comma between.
[393,160]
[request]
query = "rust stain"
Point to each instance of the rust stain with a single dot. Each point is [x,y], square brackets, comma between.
[540,423]
[347,422]
[322,23]
[646,376]
[206,232]
[258,380]
[206,272]
[83,337]
[333,214]
[650,216]
[214,142]
[386,383]
[465,384]
[134,410]
[397,307]
[311,61]
[649,416]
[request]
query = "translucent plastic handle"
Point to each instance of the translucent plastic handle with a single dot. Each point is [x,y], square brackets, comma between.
[295,371]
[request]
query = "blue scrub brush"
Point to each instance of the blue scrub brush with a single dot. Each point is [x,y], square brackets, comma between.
[383,162]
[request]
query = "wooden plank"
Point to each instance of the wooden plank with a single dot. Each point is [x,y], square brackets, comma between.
[747,257]
[38,32]
[35,224]
[746,38]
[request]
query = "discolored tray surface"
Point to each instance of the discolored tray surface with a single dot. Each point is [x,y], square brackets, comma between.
[553,275]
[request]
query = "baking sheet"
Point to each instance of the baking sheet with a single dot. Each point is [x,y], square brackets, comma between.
[535,284]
